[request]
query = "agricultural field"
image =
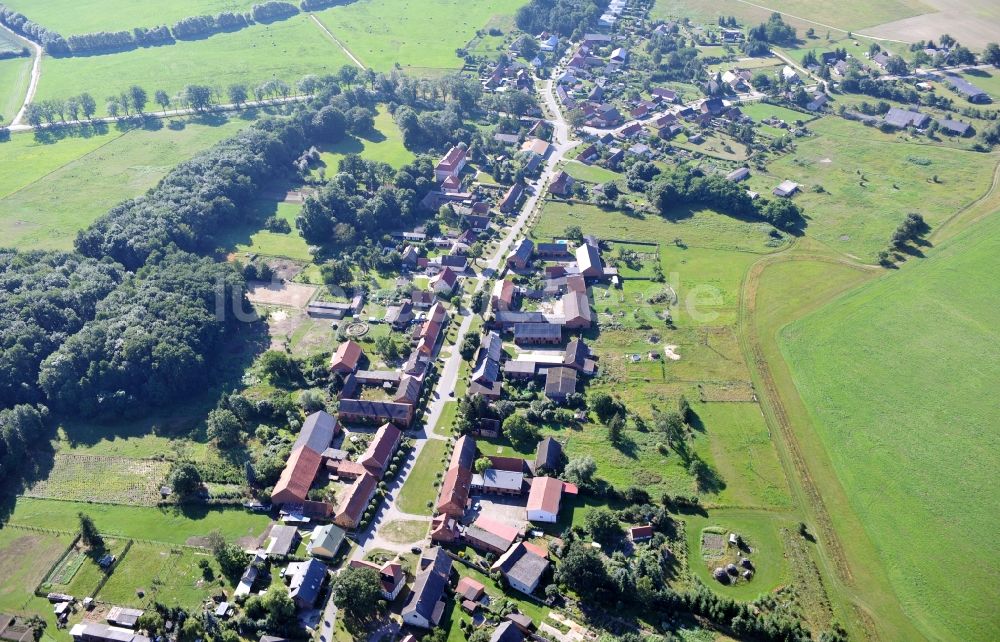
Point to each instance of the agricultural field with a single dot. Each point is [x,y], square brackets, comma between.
[14,76]
[760,111]
[870,183]
[167,575]
[115,480]
[65,16]
[285,50]
[172,525]
[421,38]
[851,15]
[863,366]
[25,558]
[53,190]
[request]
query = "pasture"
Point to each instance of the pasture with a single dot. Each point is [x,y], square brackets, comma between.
[885,372]
[25,558]
[870,183]
[65,17]
[53,190]
[420,37]
[285,50]
[172,525]
[385,145]
[760,111]
[167,575]
[419,487]
[14,76]
[251,239]
[590,173]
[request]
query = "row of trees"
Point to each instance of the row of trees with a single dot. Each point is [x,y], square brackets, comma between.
[110,41]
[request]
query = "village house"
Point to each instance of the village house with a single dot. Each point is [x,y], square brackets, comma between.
[282,540]
[399,316]
[426,605]
[537,333]
[457,480]
[305,581]
[903,118]
[786,189]
[576,311]
[510,198]
[545,497]
[345,359]
[304,462]
[502,297]
[451,164]
[97,632]
[560,383]
[638,534]
[522,568]
[548,456]
[739,174]
[381,449]
[498,482]
[491,536]
[520,257]
[444,282]
[561,185]
[588,259]
[325,541]
[352,505]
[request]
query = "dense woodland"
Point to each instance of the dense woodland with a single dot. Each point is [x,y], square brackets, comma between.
[567,18]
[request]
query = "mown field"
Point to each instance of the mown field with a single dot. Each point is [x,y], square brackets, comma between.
[384,145]
[419,36]
[870,183]
[853,14]
[166,575]
[253,240]
[897,379]
[14,76]
[419,487]
[50,191]
[285,50]
[25,558]
[169,525]
[65,16]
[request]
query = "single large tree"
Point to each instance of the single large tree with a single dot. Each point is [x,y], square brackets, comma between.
[185,479]
[88,532]
[358,592]
[237,94]
[162,99]
[520,433]
[223,427]
[88,105]
[139,98]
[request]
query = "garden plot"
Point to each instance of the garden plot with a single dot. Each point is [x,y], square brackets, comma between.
[25,557]
[112,480]
[293,295]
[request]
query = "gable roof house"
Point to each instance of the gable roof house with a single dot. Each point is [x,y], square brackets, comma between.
[283,540]
[522,568]
[502,297]
[786,188]
[305,459]
[560,383]
[520,256]
[902,118]
[507,632]
[561,185]
[325,541]
[458,479]
[345,359]
[548,456]
[510,198]
[451,164]
[738,174]
[576,311]
[962,86]
[381,449]
[491,536]
[305,580]
[588,259]
[391,576]
[536,333]
[354,502]
[544,498]
[426,604]
[444,281]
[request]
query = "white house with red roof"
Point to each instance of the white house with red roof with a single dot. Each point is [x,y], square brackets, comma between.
[451,164]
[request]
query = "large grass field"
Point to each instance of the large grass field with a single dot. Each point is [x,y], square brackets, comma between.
[853,14]
[169,525]
[897,378]
[384,145]
[65,16]
[253,240]
[52,190]
[421,36]
[284,50]
[870,183]
[14,76]
[25,558]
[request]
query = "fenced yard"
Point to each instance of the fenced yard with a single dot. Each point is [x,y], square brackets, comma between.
[25,557]
[103,479]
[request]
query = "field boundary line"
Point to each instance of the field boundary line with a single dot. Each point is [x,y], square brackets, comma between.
[774,412]
[337,42]
[826,26]
[36,73]
[65,165]
[943,230]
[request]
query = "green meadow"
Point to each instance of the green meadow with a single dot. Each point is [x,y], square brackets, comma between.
[384,145]
[50,191]
[852,14]
[285,50]
[166,575]
[65,16]
[14,76]
[251,239]
[169,525]
[418,36]
[898,377]
[870,183]
[419,487]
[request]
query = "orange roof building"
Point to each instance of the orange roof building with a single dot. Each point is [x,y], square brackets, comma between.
[345,359]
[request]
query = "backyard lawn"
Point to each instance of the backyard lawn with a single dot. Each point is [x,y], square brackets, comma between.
[419,488]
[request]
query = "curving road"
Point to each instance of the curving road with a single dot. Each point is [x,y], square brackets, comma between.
[36,73]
